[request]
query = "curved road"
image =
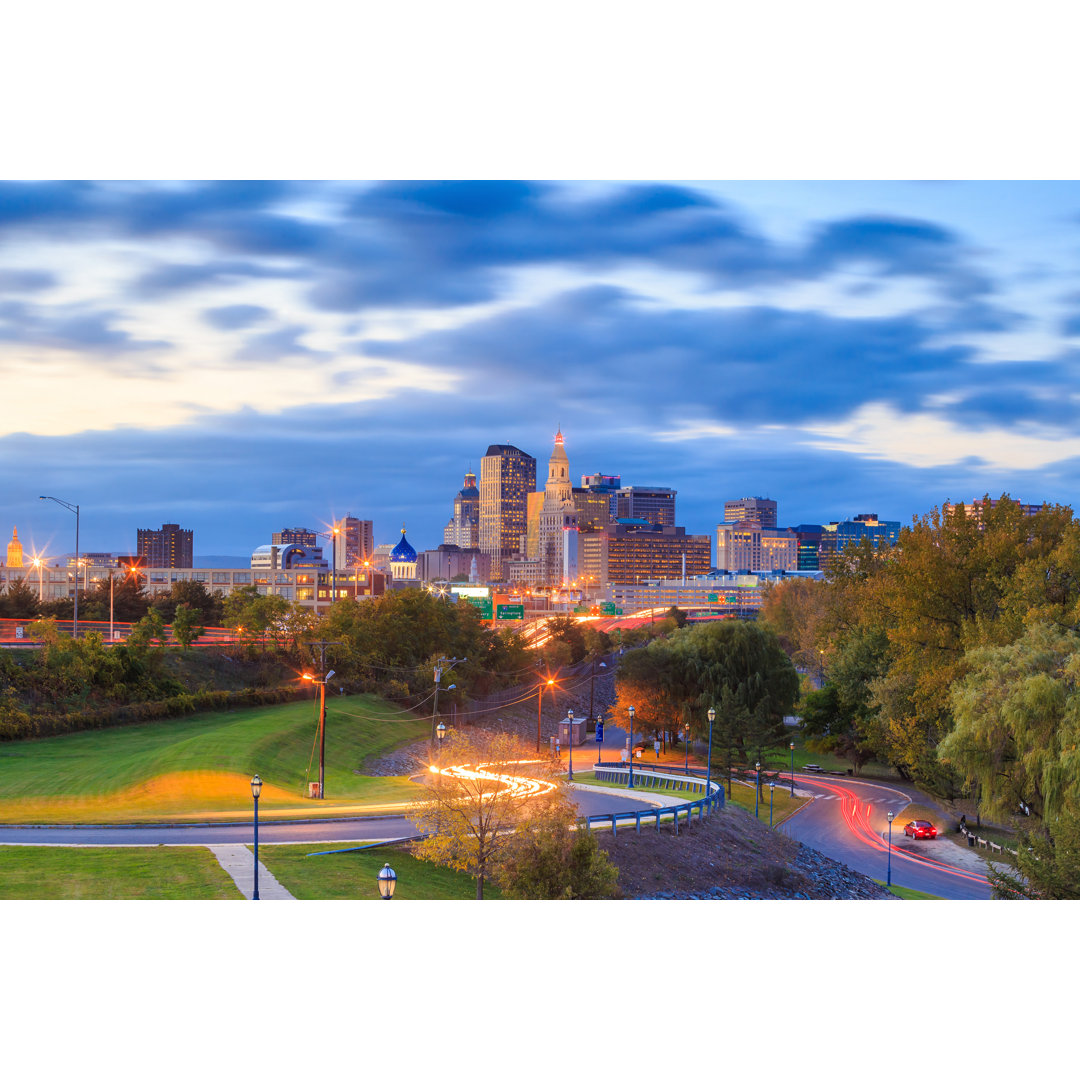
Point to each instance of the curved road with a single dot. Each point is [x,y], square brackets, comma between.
[847,821]
[331,830]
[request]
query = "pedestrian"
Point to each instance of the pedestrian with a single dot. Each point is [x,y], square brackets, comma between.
[656,747]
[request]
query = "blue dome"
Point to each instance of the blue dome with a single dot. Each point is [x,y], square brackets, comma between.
[404,552]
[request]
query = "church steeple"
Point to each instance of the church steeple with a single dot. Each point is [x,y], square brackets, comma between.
[14,550]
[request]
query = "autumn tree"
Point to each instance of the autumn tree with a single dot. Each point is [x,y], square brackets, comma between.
[469,810]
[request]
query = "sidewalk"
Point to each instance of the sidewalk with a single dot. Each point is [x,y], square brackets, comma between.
[239,864]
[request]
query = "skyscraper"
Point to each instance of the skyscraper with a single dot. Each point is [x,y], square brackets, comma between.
[296,535]
[463,528]
[359,542]
[169,546]
[507,475]
[763,511]
[652,504]
[558,531]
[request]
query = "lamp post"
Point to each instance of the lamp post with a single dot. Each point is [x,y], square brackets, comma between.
[387,880]
[630,713]
[440,734]
[256,791]
[74,508]
[570,741]
[757,785]
[888,873]
[592,688]
[792,771]
[539,695]
[772,785]
[40,583]
[439,669]
[686,740]
[322,727]
[708,760]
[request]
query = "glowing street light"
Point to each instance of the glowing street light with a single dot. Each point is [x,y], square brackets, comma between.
[440,734]
[256,791]
[322,726]
[772,785]
[792,770]
[74,508]
[757,785]
[570,740]
[630,712]
[686,740]
[539,695]
[387,880]
[708,762]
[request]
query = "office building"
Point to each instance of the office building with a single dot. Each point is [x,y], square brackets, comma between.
[296,535]
[593,508]
[655,505]
[355,542]
[288,557]
[977,507]
[170,546]
[621,553]
[747,547]
[602,484]
[507,476]
[763,511]
[449,561]
[463,528]
[808,540]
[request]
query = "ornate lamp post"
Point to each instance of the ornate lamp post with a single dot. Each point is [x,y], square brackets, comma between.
[630,713]
[570,740]
[708,760]
[322,727]
[792,771]
[772,785]
[440,734]
[539,695]
[387,880]
[256,791]
[888,874]
[686,740]
[757,785]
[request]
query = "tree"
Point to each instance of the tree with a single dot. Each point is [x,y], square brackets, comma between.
[185,626]
[149,629]
[795,609]
[469,810]
[1047,862]
[209,607]
[547,858]
[18,601]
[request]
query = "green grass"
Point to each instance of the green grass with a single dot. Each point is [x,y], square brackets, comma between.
[872,770]
[152,873]
[909,894]
[201,764]
[351,875]
[783,804]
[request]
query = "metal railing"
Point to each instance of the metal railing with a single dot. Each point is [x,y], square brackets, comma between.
[654,781]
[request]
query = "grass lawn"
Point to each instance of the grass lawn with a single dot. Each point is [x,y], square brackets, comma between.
[909,894]
[200,766]
[351,875]
[148,873]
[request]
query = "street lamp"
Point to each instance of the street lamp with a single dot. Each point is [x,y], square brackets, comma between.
[387,880]
[539,695]
[440,734]
[686,756]
[40,583]
[570,740]
[438,677]
[708,760]
[592,688]
[630,712]
[792,771]
[322,726]
[757,785]
[772,785]
[256,791]
[74,508]
[888,874]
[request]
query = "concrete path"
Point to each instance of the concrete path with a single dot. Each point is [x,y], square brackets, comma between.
[240,866]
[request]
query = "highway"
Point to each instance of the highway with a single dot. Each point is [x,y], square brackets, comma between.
[847,821]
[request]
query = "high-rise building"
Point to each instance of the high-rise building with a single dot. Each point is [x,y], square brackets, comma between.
[463,528]
[359,542]
[977,507]
[747,547]
[763,511]
[627,554]
[655,505]
[593,508]
[601,483]
[558,520]
[808,538]
[507,475]
[169,546]
[296,535]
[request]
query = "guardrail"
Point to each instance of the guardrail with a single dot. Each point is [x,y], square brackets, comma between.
[657,782]
[972,840]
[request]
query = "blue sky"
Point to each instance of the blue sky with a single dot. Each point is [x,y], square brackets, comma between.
[238,357]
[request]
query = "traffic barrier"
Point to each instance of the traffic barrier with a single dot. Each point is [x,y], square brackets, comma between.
[620,774]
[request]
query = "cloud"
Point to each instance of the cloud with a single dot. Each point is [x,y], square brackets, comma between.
[277,345]
[235,316]
[168,278]
[69,327]
[26,280]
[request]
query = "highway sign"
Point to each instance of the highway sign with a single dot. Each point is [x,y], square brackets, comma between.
[510,611]
[481,603]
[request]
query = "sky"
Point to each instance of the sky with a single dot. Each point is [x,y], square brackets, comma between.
[238,357]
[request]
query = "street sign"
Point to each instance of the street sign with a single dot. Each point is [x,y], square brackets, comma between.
[482,604]
[599,731]
[510,611]
[712,598]
[607,608]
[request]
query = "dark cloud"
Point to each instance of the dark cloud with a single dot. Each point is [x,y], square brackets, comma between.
[69,327]
[168,278]
[1070,327]
[235,316]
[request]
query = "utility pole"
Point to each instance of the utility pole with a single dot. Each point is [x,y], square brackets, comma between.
[441,665]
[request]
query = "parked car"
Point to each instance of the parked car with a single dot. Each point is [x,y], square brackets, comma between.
[920,829]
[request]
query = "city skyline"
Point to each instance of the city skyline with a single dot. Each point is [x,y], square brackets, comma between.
[242,357]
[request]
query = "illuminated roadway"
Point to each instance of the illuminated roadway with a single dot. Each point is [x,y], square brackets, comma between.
[847,822]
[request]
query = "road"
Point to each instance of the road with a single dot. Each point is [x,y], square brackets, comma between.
[847,821]
[329,830]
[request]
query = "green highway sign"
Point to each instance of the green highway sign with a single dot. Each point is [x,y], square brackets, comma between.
[712,598]
[481,603]
[510,611]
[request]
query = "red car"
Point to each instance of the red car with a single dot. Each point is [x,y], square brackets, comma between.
[917,829]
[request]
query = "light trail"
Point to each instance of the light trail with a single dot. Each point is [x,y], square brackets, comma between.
[856,814]
[518,786]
